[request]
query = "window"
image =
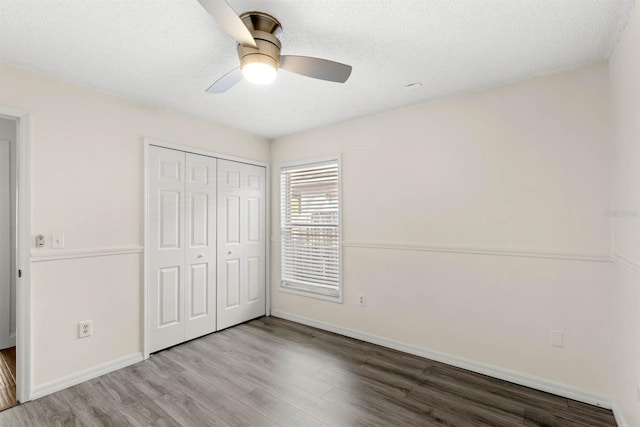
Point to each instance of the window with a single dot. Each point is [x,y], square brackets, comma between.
[310,251]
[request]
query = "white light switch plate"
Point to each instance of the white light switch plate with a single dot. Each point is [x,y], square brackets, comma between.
[57,240]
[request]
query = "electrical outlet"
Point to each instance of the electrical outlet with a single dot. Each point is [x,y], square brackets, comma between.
[85,329]
[362,300]
[556,339]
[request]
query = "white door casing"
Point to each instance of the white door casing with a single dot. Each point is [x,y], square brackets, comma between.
[241,243]
[5,244]
[22,247]
[182,241]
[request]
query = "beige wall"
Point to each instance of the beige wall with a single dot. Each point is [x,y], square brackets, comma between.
[625,298]
[87,182]
[456,217]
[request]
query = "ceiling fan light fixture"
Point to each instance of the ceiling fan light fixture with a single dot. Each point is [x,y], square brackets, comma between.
[260,65]
[259,72]
[258,35]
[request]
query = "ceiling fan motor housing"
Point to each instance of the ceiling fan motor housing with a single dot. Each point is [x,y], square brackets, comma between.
[266,31]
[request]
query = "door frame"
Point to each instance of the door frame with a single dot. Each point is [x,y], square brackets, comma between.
[147,143]
[22,250]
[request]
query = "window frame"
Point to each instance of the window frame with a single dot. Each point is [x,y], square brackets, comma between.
[302,290]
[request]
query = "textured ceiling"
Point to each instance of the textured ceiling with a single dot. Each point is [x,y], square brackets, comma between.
[167,52]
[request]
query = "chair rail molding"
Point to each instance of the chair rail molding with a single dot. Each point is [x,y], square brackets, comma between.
[62,254]
[470,250]
[627,264]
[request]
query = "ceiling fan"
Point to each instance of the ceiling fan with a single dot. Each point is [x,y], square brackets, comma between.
[258,35]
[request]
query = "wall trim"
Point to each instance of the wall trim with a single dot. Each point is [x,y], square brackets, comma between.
[619,416]
[60,254]
[85,375]
[406,246]
[626,263]
[460,362]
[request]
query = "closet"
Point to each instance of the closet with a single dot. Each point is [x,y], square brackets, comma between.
[206,244]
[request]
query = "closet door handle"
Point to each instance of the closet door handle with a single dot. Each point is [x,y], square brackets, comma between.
[200,255]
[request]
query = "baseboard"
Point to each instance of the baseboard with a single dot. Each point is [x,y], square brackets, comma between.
[85,375]
[470,365]
[617,413]
[12,339]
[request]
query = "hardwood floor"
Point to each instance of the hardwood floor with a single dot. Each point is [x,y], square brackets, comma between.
[8,378]
[271,372]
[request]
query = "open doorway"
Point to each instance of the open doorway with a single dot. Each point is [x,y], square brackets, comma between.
[8,255]
[15,248]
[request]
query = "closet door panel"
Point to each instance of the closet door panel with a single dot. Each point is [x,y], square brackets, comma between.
[169,296]
[200,249]
[166,247]
[241,250]
[254,241]
[230,248]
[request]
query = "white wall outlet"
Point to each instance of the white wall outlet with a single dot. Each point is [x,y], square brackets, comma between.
[57,240]
[362,300]
[556,339]
[85,329]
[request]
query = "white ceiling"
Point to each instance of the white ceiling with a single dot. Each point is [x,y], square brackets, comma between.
[167,52]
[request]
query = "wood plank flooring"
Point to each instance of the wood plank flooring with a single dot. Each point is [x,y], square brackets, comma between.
[271,372]
[8,378]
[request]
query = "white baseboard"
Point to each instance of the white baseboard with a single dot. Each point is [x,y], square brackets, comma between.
[619,416]
[85,375]
[530,381]
[12,339]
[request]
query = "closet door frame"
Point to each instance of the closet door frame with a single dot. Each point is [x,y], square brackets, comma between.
[147,143]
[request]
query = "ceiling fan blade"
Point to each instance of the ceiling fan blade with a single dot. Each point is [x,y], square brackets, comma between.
[226,82]
[315,67]
[230,21]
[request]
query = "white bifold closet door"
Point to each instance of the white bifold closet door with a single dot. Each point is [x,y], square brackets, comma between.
[182,247]
[241,243]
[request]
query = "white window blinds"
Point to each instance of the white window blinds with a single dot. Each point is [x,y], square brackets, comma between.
[310,228]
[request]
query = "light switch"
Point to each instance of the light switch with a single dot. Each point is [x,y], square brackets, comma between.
[57,240]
